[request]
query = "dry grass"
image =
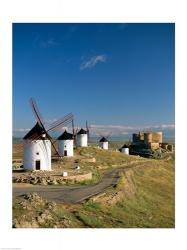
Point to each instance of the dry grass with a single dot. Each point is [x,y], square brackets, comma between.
[145,199]
[84,156]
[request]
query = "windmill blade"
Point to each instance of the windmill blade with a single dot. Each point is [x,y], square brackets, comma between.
[87,128]
[36,112]
[99,134]
[44,148]
[75,135]
[73,128]
[60,123]
[108,135]
[76,131]
[54,126]
[53,145]
[86,124]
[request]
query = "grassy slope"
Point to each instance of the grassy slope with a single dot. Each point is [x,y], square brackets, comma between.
[151,205]
[104,160]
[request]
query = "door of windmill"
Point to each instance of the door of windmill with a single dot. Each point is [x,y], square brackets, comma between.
[37,165]
[65,152]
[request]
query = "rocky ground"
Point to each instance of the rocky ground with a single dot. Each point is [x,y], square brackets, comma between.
[51,178]
[124,188]
[144,196]
[36,212]
[92,162]
[44,213]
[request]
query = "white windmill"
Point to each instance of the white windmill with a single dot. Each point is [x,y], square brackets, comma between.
[82,138]
[37,142]
[103,142]
[65,144]
[37,152]
[125,149]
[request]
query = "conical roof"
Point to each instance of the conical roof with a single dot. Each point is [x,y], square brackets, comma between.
[65,136]
[36,133]
[103,139]
[82,131]
[125,146]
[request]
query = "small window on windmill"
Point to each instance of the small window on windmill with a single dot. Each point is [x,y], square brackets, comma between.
[65,146]
[37,153]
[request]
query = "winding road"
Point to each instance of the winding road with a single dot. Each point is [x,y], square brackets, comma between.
[77,194]
[71,194]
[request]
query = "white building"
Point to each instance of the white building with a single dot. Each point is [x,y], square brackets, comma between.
[103,143]
[82,138]
[36,149]
[65,144]
[125,149]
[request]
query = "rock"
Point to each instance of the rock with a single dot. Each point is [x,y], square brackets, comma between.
[24,205]
[25,224]
[33,197]
[61,181]
[51,205]
[34,181]
[53,182]
[43,181]
[44,217]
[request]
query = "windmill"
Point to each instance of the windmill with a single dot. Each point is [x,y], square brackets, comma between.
[65,144]
[103,142]
[81,136]
[125,149]
[37,142]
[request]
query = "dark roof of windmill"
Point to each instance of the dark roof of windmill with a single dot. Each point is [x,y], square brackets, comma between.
[65,136]
[103,139]
[82,131]
[36,133]
[125,146]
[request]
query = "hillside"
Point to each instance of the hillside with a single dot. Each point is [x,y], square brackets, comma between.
[144,198]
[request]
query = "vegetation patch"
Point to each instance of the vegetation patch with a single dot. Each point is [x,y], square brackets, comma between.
[143,198]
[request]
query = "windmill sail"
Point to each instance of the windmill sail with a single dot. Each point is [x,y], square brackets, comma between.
[53,127]
[88,131]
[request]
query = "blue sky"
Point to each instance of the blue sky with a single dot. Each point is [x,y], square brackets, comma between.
[109,74]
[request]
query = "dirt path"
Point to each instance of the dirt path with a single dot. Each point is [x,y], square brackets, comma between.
[75,194]
[70,194]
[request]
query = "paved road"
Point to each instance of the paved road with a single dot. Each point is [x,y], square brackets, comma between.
[71,194]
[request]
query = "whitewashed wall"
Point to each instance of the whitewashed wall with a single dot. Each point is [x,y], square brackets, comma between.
[37,150]
[125,151]
[82,140]
[103,145]
[65,145]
